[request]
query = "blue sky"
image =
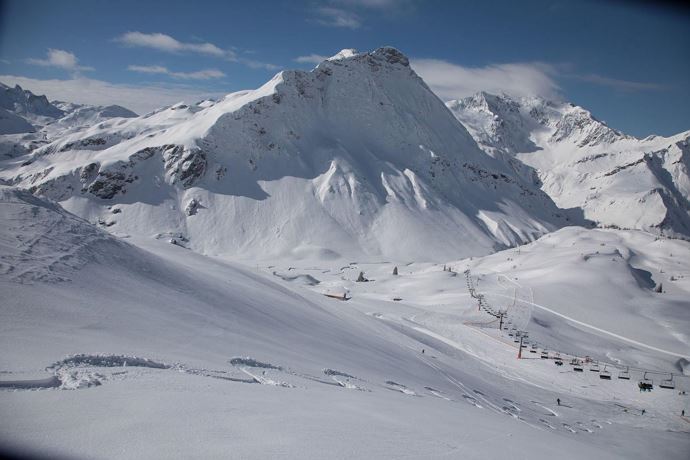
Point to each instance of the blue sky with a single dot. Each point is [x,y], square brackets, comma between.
[626,62]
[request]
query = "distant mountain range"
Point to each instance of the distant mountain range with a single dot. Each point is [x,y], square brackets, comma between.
[616,179]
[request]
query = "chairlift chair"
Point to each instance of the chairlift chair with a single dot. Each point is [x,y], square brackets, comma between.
[668,383]
[577,365]
[534,348]
[544,354]
[624,375]
[645,384]
[594,367]
[605,375]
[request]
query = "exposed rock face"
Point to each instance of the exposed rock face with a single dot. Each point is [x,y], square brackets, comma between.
[184,166]
[192,207]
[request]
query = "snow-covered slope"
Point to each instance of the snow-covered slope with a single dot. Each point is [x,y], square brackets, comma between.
[178,355]
[355,158]
[11,123]
[616,179]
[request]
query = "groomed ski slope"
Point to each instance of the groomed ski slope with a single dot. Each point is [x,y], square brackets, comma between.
[153,351]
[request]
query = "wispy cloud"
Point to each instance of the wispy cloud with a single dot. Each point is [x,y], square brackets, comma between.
[337,17]
[205,74]
[60,59]
[168,44]
[351,14]
[623,85]
[252,64]
[140,98]
[310,59]
[453,81]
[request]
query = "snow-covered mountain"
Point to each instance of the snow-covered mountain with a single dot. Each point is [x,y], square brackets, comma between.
[26,103]
[616,179]
[354,158]
[22,111]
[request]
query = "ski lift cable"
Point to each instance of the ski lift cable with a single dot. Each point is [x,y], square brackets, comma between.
[622,369]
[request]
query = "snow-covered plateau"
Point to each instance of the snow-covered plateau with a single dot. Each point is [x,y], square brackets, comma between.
[339,265]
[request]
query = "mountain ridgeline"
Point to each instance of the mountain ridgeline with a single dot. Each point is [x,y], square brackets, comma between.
[355,158]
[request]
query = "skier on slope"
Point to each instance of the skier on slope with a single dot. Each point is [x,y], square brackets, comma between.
[558,401]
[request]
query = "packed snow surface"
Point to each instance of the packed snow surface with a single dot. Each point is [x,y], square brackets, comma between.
[214,358]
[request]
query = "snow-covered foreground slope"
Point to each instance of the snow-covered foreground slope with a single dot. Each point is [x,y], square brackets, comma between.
[171,354]
[355,158]
[617,180]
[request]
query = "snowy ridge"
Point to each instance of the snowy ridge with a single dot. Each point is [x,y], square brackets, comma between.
[616,179]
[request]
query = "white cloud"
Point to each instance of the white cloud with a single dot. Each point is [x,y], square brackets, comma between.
[452,81]
[166,43]
[205,74]
[61,59]
[311,59]
[141,99]
[336,17]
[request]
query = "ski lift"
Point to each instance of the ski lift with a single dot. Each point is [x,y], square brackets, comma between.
[605,375]
[645,384]
[668,383]
[594,367]
[544,354]
[624,375]
[558,361]
[577,365]
[534,348]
